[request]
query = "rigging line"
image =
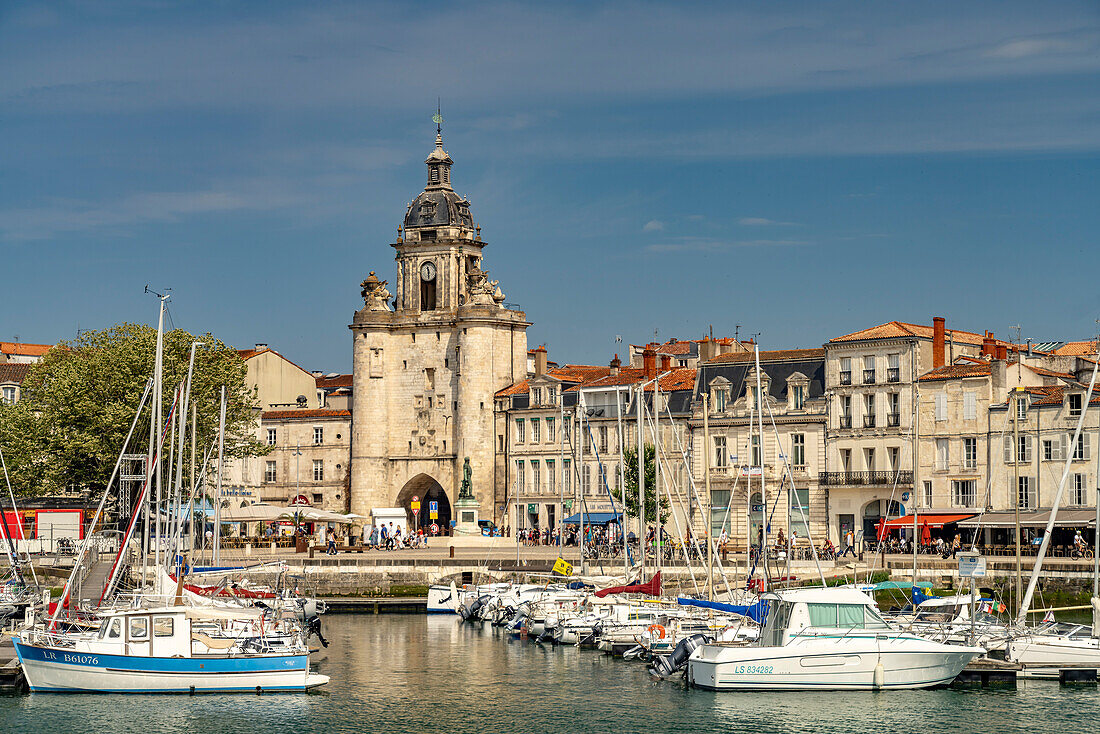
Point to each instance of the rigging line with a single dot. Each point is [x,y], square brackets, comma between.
[880,549]
[989,483]
[602,474]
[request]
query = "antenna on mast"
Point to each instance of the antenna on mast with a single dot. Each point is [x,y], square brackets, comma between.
[161,296]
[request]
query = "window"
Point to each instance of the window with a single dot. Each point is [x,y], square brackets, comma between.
[755,452]
[869,370]
[846,371]
[519,430]
[139,628]
[943,454]
[845,411]
[269,472]
[798,450]
[869,457]
[970,405]
[318,470]
[799,397]
[551,478]
[1023,450]
[893,368]
[720,455]
[941,406]
[319,497]
[963,492]
[553,393]
[9,394]
[318,436]
[535,429]
[927,494]
[567,431]
[603,477]
[521,480]
[567,476]
[1074,401]
[162,626]
[586,479]
[1081,447]
[1078,495]
[1052,449]
[800,512]
[1024,496]
[970,453]
[869,410]
[536,483]
[894,401]
[1021,406]
[116,629]
[603,439]
[894,453]
[719,400]
[271,436]
[846,459]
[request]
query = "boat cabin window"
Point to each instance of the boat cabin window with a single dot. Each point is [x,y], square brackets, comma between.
[162,626]
[777,623]
[844,616]
[139,628]
[115,630]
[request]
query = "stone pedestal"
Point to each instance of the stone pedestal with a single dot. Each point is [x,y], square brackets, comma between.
[466,516]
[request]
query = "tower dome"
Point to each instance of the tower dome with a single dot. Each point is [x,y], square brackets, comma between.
[438,205]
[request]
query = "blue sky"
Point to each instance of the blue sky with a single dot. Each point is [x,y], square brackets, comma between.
[800,169]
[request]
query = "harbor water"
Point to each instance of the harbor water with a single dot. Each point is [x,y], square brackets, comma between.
[416,673]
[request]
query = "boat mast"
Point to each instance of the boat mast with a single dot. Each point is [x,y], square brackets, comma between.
[1095,601]
[706,490]
[218,490]
[641,480]
[561,469]
[657,468]
[154,472]
[1015,402]
[760,429]
[622,483]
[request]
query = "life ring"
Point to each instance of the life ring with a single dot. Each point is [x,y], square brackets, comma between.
[658,629]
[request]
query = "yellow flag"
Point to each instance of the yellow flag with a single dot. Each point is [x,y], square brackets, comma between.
[565,569]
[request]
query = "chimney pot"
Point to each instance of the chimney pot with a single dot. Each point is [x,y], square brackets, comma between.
[260,347]
[649,363]
[616,363]
[1002,352]
[938,347]
[666,363]
[540,361]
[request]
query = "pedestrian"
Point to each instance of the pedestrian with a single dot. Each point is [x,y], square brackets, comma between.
[332,545]
[849,545]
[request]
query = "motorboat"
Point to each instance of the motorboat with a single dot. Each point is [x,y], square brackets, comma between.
[826,639]
[1054,646]
[176,649]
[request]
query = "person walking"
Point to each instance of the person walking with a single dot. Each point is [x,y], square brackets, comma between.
[849,545]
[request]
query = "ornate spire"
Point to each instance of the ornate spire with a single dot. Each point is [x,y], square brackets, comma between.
[439,162]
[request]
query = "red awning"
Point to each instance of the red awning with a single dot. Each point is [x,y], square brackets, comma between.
[931,520]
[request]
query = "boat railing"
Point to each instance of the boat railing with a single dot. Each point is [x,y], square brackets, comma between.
[44,637]
[879,633]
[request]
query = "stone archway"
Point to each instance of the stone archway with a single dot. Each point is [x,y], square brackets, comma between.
[876,511]
[428,490]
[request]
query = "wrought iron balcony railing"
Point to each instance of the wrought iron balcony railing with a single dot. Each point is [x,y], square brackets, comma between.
[845,377]
[868,421]
[893,419]
[893,374]
[868,377]
[865,478]
[845,421]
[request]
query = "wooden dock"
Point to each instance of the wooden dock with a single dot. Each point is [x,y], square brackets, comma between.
[11,675]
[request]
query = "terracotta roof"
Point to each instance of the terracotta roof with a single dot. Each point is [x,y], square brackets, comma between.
[1051,373]
[900,329]
[25,350]
[770,356]
[680,378]
[311,413]
[247,354]
[1076,349]
[958,371]
[326,383]
[573,373]
[14,372]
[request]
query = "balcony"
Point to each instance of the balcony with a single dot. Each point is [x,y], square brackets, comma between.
[845,421]
[868,377]
[864,478]
[868,421]
[893,419]
[845,377]
[893,374]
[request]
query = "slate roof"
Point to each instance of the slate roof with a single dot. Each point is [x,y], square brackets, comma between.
[330,383]
[778,365]
[781,354]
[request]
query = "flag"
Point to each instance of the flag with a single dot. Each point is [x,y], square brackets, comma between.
[1049,616]
[562,567]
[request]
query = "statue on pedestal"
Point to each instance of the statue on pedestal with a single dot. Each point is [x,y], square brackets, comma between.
[466,490]
[375,293]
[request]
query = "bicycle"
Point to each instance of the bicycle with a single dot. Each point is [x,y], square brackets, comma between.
[1080,552]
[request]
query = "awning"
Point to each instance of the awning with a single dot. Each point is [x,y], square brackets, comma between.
[1066,518]
[931,520]
[261,512]
[594,518]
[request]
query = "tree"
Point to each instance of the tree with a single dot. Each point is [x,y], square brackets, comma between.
[630,480]
[78,402]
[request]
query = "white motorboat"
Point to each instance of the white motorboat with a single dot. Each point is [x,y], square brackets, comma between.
[825,639]
[163,650]
[1054,646]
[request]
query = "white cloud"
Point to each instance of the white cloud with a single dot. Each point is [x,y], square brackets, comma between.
[696,244]
[653,225]
[761,222]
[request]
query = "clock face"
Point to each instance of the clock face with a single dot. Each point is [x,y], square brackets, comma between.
[427,271]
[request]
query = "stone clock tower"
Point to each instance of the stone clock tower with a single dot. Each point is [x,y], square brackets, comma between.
[427,364]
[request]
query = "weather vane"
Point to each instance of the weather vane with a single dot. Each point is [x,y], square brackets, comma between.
[437,118]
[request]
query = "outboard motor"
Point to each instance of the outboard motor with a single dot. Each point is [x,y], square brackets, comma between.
[469,611]
[522,611]
[665,665]
[597,630]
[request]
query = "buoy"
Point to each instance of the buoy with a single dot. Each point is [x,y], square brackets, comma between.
[880,675]
[658,629]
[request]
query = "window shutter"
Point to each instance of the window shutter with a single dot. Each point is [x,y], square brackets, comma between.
[1008,450]
[1056,449]
[1085,446]
[1027,448]
[970,405]
[941,406]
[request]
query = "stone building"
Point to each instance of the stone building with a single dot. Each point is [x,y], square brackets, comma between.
[428,359]
[870,384]
[11,381]
[791,448]
[21,353]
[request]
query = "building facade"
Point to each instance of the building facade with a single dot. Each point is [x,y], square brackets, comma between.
[428,358]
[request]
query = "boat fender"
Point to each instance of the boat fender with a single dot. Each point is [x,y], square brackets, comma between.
[658,629]
[879,676]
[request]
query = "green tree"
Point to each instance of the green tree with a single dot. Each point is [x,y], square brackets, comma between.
[653,503]
[78,402]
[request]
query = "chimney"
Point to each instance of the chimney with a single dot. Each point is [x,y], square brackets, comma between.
[706,350]
[1029,347]
[1002,351]
[649,362]
[666,363]
[540,361]
[938,330]
[989,346]
[261,347]
[616,363]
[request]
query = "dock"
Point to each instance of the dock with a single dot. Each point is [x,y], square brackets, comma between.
[377,605]
[990,672]
[11,675]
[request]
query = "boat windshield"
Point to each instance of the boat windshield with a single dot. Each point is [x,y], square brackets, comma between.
[844,616]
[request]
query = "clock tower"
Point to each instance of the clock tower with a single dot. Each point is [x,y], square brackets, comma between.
[427,363]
